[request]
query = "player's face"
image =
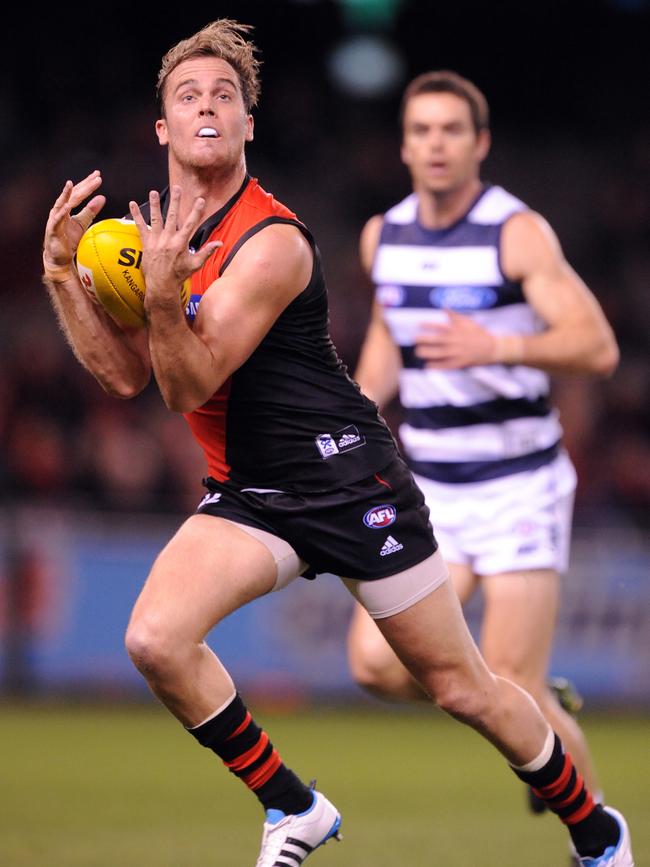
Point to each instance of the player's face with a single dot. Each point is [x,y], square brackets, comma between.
[440,146]
[205,123]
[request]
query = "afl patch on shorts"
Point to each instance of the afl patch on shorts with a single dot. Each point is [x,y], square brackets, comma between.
[366,530]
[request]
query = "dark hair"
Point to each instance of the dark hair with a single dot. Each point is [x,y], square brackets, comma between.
[445,81]
[223,38]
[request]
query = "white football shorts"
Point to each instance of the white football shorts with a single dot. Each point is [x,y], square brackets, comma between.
[509,524]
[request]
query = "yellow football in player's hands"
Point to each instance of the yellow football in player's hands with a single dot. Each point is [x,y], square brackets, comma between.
[109,261]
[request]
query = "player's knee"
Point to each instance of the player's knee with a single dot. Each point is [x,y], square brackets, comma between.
[371,675]
[518,674]
[375,668]
[151,650]
[463,698]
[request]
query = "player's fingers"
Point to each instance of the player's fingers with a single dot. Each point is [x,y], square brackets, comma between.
[172,210]
[198,259]
[193,220]
[139,221]
[88,213]
[427,328]
[442,364]
[64,195]
[96,204]
[60,208]
[84,188]
[431,353]
[430,343]
[155,214]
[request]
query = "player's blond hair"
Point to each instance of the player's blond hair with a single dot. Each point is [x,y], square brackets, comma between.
[446,81]
[223,38]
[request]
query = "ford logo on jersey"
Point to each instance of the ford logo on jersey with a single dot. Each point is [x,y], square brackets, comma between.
[380,517]
[463,297]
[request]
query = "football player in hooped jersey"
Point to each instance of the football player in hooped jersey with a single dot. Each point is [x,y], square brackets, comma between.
[304,476]
[475,305]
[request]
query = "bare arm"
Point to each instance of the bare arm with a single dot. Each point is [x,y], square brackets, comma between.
[116,357]
[577,337]
[235,313]
[380,362]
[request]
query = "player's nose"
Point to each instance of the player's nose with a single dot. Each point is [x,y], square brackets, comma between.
[206,107]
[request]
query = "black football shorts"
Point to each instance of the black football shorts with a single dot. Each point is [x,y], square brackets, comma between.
[366,530]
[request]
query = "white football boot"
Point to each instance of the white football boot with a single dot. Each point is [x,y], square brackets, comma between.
[614,856]
[288,839]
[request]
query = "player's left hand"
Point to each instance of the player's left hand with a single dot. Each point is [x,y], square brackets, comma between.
[458,342]
[167,260]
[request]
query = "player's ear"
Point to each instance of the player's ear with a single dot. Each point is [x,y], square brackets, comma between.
[483,143]
[250,127]
[404,154]
[161,131]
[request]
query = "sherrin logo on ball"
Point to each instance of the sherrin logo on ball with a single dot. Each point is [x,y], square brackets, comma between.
[109,261]
[380,517]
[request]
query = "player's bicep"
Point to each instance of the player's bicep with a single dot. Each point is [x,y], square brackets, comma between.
[532,255]
[239,309]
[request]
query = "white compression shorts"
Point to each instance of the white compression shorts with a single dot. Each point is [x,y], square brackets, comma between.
[382,597]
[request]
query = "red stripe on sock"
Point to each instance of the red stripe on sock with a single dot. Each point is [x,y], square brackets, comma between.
[240,728]
[554,789]
[264,773]
[575,791]
[249,756]
[582,813]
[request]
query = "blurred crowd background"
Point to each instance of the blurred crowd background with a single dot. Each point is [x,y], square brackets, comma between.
[566,81]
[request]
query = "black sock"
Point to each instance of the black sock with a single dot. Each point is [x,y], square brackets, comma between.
[248,753]
[561,787]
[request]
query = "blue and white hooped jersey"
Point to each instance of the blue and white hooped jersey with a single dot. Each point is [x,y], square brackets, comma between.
[480,422]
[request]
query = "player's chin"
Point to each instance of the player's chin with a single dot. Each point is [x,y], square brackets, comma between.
[439,183]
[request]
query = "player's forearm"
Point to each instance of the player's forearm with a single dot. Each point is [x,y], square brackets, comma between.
[379,389]
[377,372]
[591,351]
[185,369]
[96,341]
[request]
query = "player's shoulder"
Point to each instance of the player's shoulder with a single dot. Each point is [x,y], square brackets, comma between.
[404,212]
[527,227]
[494,206]
[369,240]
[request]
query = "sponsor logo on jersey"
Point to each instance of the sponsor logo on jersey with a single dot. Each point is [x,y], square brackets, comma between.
[390,546]
[210,500]
[391,296]
[463,297]
[326,445]
[340,441]
[192,307]
[380,517]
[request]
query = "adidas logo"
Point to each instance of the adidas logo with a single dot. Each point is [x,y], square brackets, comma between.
[348,440]
[390,546]
[210,500]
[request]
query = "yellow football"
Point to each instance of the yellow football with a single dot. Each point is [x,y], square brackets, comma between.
[109,261]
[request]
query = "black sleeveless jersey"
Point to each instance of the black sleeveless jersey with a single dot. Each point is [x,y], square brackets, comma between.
[290,418]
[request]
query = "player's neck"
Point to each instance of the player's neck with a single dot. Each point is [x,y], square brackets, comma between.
[217,185]
[439,210]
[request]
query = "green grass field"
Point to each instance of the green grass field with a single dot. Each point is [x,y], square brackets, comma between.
[100,787]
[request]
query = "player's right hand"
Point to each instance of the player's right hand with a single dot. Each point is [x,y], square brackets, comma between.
[63,230]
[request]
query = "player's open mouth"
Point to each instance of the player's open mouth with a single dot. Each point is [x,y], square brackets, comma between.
[207,132]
